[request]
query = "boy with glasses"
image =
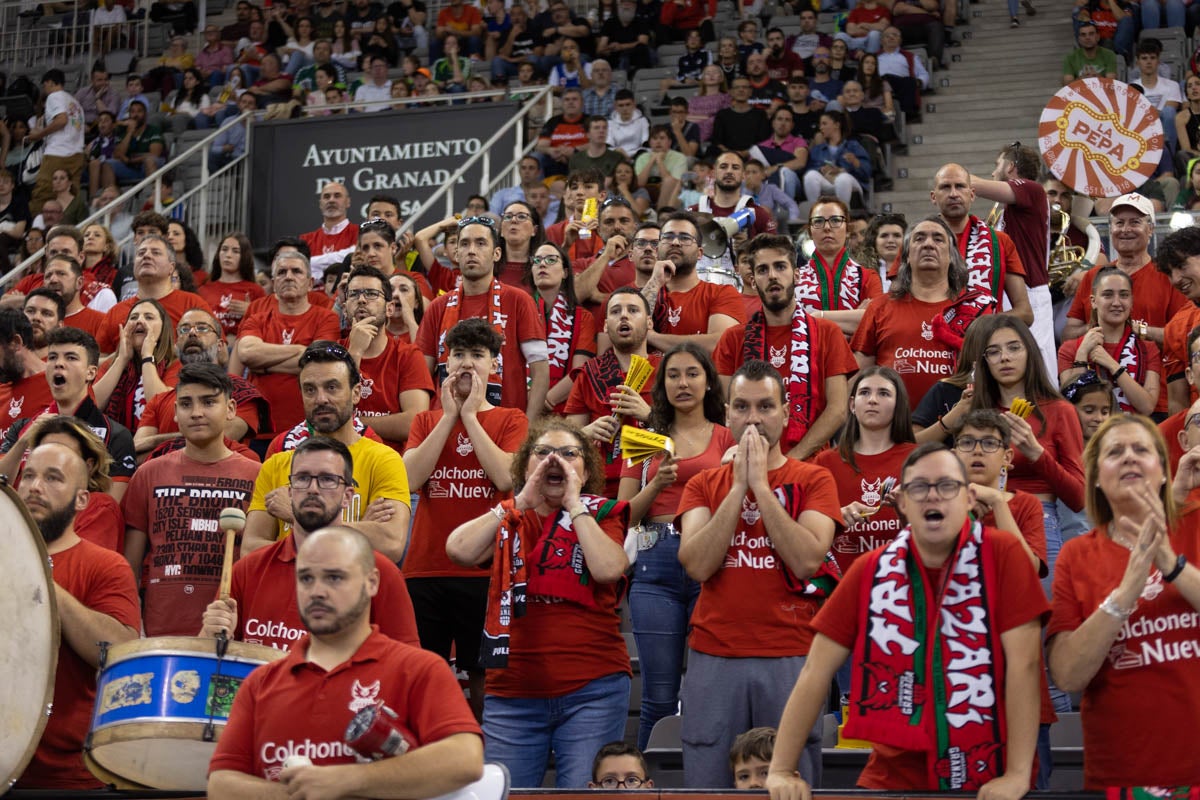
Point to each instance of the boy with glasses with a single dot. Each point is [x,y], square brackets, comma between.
[620,766]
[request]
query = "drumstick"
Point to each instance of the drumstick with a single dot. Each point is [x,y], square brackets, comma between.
[232,521]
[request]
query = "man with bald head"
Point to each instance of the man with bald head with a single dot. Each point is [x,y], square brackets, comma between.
[992,261]
[338,236]
[97,602]
[301,705]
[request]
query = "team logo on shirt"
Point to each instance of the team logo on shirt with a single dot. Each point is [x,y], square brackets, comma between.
[366,387]
[14,407]
[287,336]
[870,491]
[1153,587]
[750,512]
[778,357]
[226,299]
[927,331]
[363,696]
[464,446]
[674,314]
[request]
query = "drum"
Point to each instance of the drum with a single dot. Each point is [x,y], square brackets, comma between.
[155,698]
[720,276]
[29,636]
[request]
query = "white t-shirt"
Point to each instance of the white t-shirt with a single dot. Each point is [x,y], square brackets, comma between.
[69,140]
[373,98]
[1165,91]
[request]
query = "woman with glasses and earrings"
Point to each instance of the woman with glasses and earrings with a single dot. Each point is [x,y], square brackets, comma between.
[570,328]
[231,285]
[558,673]
[520,234]
[143,366]
[1126,597]
[839,165]
[1111,347]
[833,284]
[688,406]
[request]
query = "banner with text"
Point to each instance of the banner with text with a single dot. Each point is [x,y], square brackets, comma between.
[408,154]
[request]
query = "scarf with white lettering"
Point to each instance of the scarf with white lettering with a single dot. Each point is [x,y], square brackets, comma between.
[950,326]
[1132,356]
[532,565]
[928,667]
[303,430]
[804,381]
[560,335]
[979,247]
[450,317]
[128,399]
[839,288]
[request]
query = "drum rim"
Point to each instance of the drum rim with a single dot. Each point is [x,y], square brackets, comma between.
[243,652]
[55,629]
[182,731]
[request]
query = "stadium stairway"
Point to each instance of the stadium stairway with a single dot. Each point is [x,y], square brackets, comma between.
[998,83]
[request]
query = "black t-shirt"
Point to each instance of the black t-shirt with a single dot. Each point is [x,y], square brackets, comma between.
[740,130]
[763,96]
[525,42]
[937,401]
[16,211]
[616,33]
[116,437]
[871,121]
[805,124]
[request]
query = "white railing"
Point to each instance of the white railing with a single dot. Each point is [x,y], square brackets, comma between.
[64,40]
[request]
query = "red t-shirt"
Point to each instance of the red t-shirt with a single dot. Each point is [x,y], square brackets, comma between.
[321,243]
[522,323]
[898,333]
[457,490]
[86,319]
[1174,349]
[832,353]
[557,648]
[399,368]
[1018,599]
[583,250]
[512,273]
[865,16]
[864,486]
[102,581]
[460,21]
[176,501]
[282,391]
[264,586]
[746,609]
[764,222]
[160,414]
[219,295]
[269,302]
[1059,471]
[558,131]
[1069,352]
[23,398]
[666,502]
[1027,221]
[295,707]
[620,273]
[1170,429]
[688,312]
[1146,682]
[1155,300]
[175,303]
[131,416]
[102,522]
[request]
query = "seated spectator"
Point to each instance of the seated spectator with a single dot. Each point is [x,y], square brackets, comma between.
[691,63]
[595,154]
[711,99]
[925,22]
[299,50]
[660,166]
[877,93]
[382,42]
[740,126]
[52,214]
[623,183]
[864,121]
[14,219]
[570,72]
[842,66]
[234,31]
[326,78]
[462,19]
[498,23]
[765,93]
[214,58]
[600,98]
[140,152]
[451,70]
[780,61]
[563,134]
[750,758]
[1114,20]
[865,26]
[904,72]
[306,78]
[251,48]
[747,40]
[781,205]
[70,200]
[620,766]
[728,60]
[680,16]
[821,82]
[180,14]
[806,42]
[625,42]
[273,85]
[185,105]
[107,22]
[1162,93]
[1187,126]
[346,51]
[1163,14]
[523,44]
[133,93]
[839,165]
[558,24]
[374,92]
[230,142]
[1089,59]
[628,129]
[782,155]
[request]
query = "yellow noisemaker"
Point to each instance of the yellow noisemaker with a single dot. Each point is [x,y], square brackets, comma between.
[1021,407]
[639,373]
[637,445]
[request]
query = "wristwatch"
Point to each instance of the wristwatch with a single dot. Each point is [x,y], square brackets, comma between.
[1141,328]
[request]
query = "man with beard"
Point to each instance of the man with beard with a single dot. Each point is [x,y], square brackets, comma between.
[396,385]
[271,341]
[336,237]
[993,265]
[810,353]
[22,378]
[692,310]
[97,602]
[741,124]
[806,42]
[821,82]
[596,278]
[302,704]
[781,63]
[331,386]
[756,534]
[832,284]
[600,402]
[200,340]
[459,458]
[510,310]
[261,607]
[766,93]
[44,309]
[64,275]
[174,501]
[66,240]
[727,198]
[71,362]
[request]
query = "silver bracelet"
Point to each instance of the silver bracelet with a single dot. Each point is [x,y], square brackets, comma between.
[499,512]
[1110,607]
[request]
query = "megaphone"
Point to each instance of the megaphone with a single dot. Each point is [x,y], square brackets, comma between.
[715,235]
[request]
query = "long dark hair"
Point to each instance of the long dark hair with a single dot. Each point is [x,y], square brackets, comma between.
[535,241]
[956,274]
[196,95]
[193,252]
[418,303]
[974,341]
[902,428]
[662,413]
[872,86]
[1037,386]
[567,287]
[245,259]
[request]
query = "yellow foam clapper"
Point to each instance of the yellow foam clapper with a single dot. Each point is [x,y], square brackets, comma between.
[639,372]
[637,445]
[1021,407]
[590,209]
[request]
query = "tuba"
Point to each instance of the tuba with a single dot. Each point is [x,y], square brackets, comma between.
[1065,258]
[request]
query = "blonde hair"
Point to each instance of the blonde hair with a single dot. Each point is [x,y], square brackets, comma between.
[1098,508]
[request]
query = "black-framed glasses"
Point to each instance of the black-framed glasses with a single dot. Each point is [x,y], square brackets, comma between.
[835,222]
[513,216]
[628,782]
[947,489]
[200,329]
[682,238]
[996,352]
[967,444]
[325,481]
[644,243]
[570,452]
[364,294]
[477,219]
[1080,385]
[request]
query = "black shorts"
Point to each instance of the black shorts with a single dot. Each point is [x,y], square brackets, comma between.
[450,611]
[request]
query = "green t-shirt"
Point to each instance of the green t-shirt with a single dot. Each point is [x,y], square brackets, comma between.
[606,163]
[1079,65]
[443,70]
[140,145]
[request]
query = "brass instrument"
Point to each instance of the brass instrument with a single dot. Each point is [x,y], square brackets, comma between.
[994,216]
[1065,258]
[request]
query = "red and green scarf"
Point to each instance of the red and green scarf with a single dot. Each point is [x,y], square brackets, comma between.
[550,568]
[980,248]
[560,335]
[950,326]
[801,372]
[821,583]
[839,288]
[928,666]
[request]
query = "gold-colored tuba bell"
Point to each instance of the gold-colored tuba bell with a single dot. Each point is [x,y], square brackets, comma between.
[1065,258]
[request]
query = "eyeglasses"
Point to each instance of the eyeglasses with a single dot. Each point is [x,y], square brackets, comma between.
[512,216]
[947,489]
[834,222]
[375,224]
[325,481]
[967,444]
[315,350]
[682,238]
[995,352]
[615,201]
[628,782]
[364,294]
[643,243]
[570,453]
[549,261]
[1193,419]
[200,329]
[476,219]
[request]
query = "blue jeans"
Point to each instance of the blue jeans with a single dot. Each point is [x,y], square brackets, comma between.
[1152,14]
[521,732]
[1060,699]
[871,43]
[661,599]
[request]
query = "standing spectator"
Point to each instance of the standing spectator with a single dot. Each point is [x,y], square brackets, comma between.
[62,130]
